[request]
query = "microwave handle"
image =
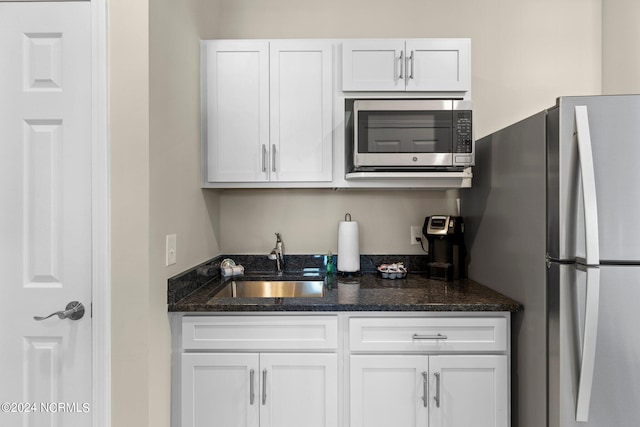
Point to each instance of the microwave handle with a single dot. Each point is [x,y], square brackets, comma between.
[401,76]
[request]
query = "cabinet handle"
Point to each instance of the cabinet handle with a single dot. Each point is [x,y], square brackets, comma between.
[401,76]
[252,394]
[264,386]
[437,396]
[429,337]
[425,389]
[273,158]
[411,59]
[264,158]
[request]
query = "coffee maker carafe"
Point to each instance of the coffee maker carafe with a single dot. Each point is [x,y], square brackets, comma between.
[447,251]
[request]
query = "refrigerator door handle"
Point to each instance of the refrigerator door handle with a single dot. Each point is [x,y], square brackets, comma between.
[590,336]
[585,154]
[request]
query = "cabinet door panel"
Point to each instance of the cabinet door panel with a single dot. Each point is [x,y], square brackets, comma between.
[373,65]
[216,390]
[300,389]
[237,110]
[439,65]
[301,110]
[472,391]
[388,391]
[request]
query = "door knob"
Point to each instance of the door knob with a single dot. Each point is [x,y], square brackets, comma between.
[73,311]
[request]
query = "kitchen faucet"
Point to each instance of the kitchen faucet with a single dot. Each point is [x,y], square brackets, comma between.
[278,255]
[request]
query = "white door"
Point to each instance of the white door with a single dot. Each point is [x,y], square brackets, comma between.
[236,78]
[301,110]
[299,390]
[220,389]
[377,65]
[45,220]
[439,65]
[389,390]
[468,391]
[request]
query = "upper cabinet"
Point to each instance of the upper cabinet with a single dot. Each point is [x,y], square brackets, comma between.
[268,111]
[417,65]
[275,113]
[236,109]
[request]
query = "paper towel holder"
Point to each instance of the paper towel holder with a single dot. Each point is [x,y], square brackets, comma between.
[348,247]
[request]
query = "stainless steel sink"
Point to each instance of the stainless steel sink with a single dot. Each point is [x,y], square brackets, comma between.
[272,289]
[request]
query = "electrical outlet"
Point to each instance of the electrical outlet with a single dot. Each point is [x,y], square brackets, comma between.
[171,249]
[416,234]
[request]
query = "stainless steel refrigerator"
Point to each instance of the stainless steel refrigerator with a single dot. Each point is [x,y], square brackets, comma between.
[553,221]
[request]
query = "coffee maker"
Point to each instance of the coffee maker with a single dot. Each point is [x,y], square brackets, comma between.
[447,251]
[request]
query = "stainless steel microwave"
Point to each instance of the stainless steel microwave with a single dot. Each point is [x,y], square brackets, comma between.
[412,134]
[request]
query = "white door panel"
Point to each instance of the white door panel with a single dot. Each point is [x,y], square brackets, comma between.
[45,224]
[299,389]
[300,113]
[237,110]
[388,390]
[468,390]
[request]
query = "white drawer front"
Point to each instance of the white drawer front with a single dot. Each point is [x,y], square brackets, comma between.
[260,332]
[469,334]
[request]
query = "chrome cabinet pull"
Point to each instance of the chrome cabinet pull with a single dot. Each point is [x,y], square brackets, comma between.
[429,337]
[73,311]
[264,158]
[425,389]
[401,76]
[273,158]
[411,59]
[437,396]
[264,387]
[252,394]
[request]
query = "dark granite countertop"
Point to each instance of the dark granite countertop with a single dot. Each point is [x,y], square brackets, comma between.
[194,291]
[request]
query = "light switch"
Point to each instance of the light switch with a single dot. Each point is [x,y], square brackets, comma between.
[171,249]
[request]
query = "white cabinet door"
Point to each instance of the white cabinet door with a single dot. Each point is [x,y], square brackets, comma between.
[425,65]
[420,390]
[301,110]
[388,390]
[220,389]
[266,390]
[438,65]
[299,389]
[373,65]
[236,82]
[469,390]
[269,111]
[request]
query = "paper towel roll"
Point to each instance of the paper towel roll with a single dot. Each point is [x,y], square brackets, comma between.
[348,247]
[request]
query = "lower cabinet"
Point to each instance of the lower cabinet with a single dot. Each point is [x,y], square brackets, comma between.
[254,389]
[341,370]
[435,391]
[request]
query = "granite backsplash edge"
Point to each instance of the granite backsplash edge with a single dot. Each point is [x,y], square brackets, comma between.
[187,282]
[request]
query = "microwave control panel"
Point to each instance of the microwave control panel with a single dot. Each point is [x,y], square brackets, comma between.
[463,139]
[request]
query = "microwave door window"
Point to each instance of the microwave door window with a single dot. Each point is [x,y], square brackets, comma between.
[408,140]
[403,132]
